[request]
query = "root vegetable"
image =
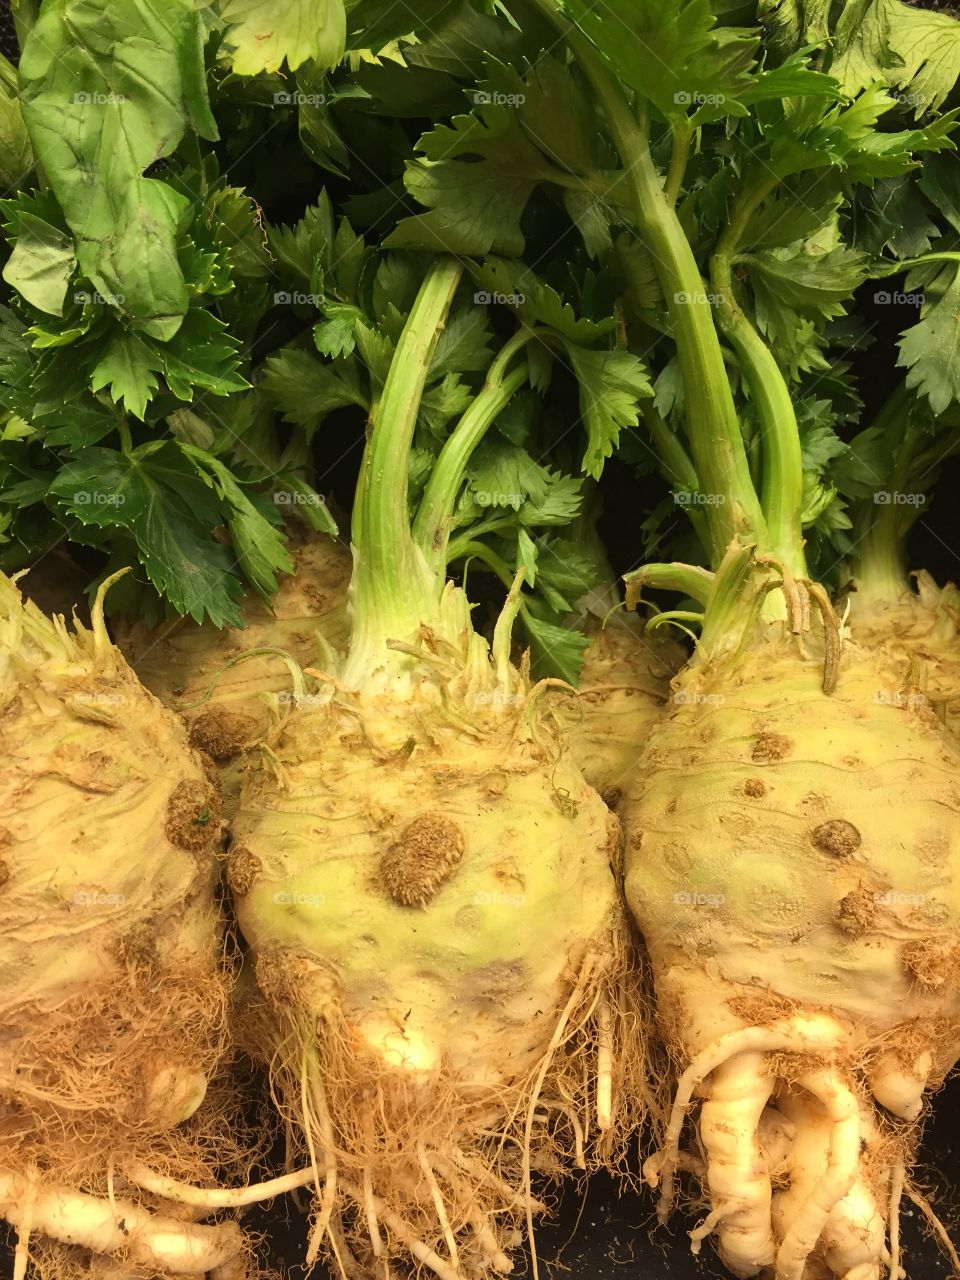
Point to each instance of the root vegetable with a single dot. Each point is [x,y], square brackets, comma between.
[114,990]
[922,631]
[425,882]
[624,685]
[180,661]
[806,951]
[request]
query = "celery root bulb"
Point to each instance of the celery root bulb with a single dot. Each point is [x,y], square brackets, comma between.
[180,661]
[624,686]
[922,631]
[428,893]
[112,987]
[793,861]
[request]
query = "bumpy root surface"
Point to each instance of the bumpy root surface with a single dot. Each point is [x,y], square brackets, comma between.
[429,1166]
[113,986]
[921,632]
[447,991]
[793,861]
[181,660]
[624,686]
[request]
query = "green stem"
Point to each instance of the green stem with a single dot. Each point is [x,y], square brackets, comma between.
[682,135]
[676,463]
[881,571]
[431,529]
[781,494]
[391,592]
[713,428]
[687,579]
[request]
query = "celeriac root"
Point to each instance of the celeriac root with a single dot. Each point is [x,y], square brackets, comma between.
[793,861]
[113,986]
[181,661]
[624,685]
[143,1238]
[448,996]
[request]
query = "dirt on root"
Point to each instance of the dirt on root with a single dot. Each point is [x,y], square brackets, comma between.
[426,855]
[221,733]
[193,815]
[838,838]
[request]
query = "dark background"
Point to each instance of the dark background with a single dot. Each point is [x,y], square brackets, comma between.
[601,1232]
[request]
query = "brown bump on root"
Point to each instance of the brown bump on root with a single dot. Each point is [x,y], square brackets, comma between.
[4,873]
[284,978]
[931,965]
[857,912]
[755,787]
[243,869]
[193,815]
[771,746]
[838,838]
[428,852]
[222,733]
[611,797]
[138,946]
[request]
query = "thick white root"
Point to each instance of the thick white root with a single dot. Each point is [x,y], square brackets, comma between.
[104,1228]
[737,1174]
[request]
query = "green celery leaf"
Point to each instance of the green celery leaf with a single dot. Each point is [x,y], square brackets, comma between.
[899,46]
[128,367]
[108,89]
[472,208]
[263,34]
[930,350]
[252,520]
[305,390]
[41,265]
[156,495]
[555,650]
[610,384]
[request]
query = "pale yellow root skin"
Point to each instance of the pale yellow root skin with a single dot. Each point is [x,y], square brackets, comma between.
[145,1239]
[794,859]
[112,989]
[624,686]
[433,1055]
[922,633]
[180,661]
